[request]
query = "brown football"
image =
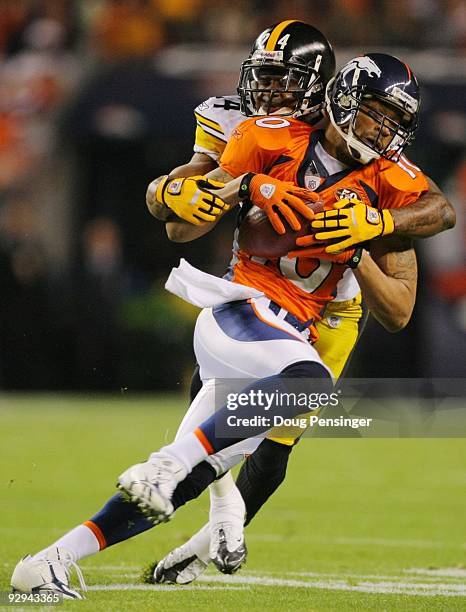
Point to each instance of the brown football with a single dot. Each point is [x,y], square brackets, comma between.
[257,237]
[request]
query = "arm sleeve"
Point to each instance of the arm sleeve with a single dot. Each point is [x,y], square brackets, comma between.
[207,143]
[210,132]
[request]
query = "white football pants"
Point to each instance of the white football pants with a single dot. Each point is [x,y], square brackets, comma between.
[242,341]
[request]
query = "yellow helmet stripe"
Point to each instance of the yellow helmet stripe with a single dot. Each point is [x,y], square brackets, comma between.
[276,33]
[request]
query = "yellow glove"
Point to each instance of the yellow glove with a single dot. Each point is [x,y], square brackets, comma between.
[190,199]
[351,222]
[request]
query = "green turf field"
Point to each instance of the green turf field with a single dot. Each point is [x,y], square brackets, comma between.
[366,524]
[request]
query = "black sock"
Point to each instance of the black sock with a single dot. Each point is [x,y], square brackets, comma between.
[202,475]
[261,475]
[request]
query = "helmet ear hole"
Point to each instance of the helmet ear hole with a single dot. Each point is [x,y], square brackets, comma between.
[345,101]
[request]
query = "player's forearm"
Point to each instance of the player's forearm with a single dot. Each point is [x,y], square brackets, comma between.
[157,209]
[431,214]
[179,230]
[229,193]
[390,299]
[183,231]
[199,164]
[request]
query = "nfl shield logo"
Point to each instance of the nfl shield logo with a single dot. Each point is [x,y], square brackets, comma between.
[334,321]
[174,187]
[372,216]
[267,190]
[312,182]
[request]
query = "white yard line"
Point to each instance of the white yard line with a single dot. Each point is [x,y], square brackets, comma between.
[442,572]
[163,587]
[113,568]
[414,578]
[412,581]
[414,574]
[385,587]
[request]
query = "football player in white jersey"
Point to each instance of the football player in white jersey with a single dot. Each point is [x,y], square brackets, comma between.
[111,524]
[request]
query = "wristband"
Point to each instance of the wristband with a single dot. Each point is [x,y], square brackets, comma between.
[354,261]
[243,190]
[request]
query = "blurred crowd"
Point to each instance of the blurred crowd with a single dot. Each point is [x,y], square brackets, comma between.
[86,120]
[121,28]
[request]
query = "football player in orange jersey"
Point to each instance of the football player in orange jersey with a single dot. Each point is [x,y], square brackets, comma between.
[50,568]
[112,523]
[373,106]
[343,318]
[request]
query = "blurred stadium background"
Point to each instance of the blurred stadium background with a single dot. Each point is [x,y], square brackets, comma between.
[96,99]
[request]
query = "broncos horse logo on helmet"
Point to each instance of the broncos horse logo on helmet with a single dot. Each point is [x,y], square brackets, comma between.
[287,71]
[392,85]
[361,63]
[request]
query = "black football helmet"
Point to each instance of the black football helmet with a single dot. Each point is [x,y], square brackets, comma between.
[387,80]
[287,71]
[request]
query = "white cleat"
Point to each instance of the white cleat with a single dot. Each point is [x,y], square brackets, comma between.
[151,484]
[227,546]
[228,549]
[183,564]
[180,566]
[49,574]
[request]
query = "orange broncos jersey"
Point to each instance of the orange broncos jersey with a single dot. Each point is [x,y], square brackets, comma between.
[285,149]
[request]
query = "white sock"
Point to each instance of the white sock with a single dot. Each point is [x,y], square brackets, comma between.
[80,542]
[222,486]
[229,504]
[200,543]
[189,450]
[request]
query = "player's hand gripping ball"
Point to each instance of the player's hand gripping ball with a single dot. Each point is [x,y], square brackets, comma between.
[350,223]
[280,200]
[257,237]
[263,233]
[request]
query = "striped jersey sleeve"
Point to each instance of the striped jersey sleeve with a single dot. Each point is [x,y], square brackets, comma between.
[216,118]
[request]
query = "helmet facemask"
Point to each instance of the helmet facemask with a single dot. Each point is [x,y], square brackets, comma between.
[393,135]
[273,87]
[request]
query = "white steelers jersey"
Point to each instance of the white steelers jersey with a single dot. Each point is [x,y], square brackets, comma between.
[216,118]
